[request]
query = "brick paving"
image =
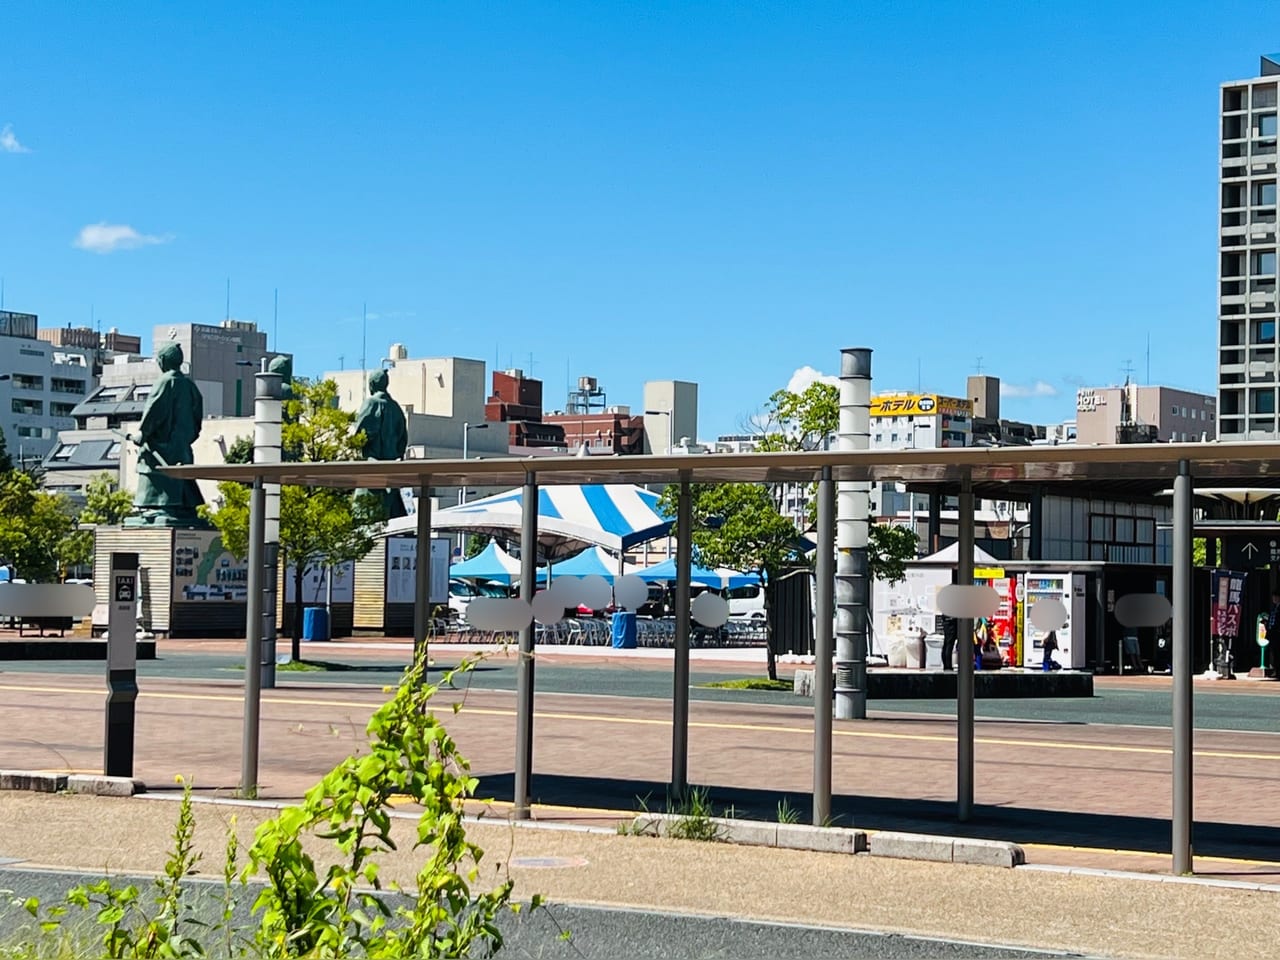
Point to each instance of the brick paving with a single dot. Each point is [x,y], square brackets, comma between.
[1052,787]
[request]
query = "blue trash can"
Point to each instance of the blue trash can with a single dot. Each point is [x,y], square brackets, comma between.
[315,623]
[624,630]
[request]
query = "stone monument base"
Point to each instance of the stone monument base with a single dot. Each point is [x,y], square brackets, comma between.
[169,517]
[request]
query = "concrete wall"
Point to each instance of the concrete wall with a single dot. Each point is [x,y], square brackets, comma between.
[31,430]
[680,399]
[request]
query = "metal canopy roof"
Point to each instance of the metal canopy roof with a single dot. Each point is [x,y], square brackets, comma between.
[1116,470]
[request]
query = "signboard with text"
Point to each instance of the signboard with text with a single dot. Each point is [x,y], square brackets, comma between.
[402,569]
[203,570]
[1228,589]
[919,404]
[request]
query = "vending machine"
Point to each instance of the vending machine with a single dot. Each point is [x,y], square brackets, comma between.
[1069,589]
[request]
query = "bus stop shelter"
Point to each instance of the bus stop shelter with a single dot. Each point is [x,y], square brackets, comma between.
[1140,470]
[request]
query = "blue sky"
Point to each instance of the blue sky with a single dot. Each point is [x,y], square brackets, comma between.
[724,193]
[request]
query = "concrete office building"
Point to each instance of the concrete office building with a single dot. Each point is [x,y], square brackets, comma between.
[221,359]
[440,395]
[40,385]
[671,414]
[1248,370]
[1134,413]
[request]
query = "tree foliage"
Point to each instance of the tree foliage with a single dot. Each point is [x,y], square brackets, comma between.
[800,421]
[889,547]
[37,529]
[318,525]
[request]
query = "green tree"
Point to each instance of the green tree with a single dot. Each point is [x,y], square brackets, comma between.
[889,547]
[36,528]
[738,525]
[800,421]
[476,544]
[105,504]
[318,525]
[6,461]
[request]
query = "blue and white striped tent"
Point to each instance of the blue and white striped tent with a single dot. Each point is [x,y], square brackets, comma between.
[616,516]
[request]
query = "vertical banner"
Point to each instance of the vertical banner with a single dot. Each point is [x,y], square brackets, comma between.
[1228,588]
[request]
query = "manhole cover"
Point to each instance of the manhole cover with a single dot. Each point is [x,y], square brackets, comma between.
[549,863]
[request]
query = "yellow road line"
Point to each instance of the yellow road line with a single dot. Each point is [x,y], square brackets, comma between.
[695,724]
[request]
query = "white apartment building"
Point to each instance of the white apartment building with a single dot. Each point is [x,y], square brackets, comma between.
[40,385]
[1248,371]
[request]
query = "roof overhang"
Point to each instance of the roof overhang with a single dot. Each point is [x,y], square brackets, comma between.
[1138,469]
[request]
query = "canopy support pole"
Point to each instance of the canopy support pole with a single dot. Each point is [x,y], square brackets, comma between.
[680,681]
[964,658]
[524,663]
[422,579]
[253,642]
[823,681]
[1183,518]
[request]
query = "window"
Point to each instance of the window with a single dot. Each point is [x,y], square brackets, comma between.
[113,451]
[26,381]
[1266,125]
[1264,194]
[1264,264]
[61,409]
[1184,413]
[31,407]
[36,433]
[1174,411]
[1263,401]
[65,451]
[65,385]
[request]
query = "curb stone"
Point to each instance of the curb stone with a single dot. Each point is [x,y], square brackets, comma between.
[884,843]
[93,784]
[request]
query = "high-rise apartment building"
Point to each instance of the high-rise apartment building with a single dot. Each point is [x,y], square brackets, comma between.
[1248,371]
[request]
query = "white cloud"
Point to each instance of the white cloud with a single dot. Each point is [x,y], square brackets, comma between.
[110,237]
[1038,389]
[802,378]
[9,143]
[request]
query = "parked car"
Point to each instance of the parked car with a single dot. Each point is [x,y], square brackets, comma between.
[746,603]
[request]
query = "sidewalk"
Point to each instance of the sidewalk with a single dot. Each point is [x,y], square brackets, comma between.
[1094,914]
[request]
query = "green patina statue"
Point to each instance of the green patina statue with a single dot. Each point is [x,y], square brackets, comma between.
[386,434]
[170,424]
[284,366]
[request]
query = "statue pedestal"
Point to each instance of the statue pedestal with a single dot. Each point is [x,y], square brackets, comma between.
[172,518]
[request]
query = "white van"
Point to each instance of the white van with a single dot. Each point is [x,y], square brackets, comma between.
[746,603]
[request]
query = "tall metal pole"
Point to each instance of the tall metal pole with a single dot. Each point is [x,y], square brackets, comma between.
[964,659]
[524,665]
[253,644]
[822,640]
[268,447]
[852,585]
[680,682]
[422,578]
[1182,697]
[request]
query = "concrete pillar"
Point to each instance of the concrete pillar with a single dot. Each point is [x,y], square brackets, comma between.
[824,610]
[524,664]
[1035,531]
[268,420]
[852,583]
[680,683]
[1182,691]
[964,659]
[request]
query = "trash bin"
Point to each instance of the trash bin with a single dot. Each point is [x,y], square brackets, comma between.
[624,630]
[315,623]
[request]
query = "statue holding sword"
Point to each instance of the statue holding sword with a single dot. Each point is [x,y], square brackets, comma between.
[170,424]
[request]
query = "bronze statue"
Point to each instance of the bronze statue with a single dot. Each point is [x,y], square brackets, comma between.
[386,434]
[284,366]
[170,424]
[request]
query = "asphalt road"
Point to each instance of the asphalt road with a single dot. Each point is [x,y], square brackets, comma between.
[568,932]
[1233,710]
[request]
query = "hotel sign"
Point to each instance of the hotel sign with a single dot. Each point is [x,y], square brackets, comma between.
[1089,400]
[919,404]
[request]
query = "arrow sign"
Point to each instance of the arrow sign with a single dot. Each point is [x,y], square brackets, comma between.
[1249,550]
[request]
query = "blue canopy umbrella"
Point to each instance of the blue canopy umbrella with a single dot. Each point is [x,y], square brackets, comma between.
[720,578]
[593,560]
[491,563]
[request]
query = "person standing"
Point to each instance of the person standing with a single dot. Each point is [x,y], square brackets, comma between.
[950,632]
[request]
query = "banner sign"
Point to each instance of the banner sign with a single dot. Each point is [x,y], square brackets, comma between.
[1228,588]
[919,404]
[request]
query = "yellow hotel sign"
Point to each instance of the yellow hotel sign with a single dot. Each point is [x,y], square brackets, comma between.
[919,404]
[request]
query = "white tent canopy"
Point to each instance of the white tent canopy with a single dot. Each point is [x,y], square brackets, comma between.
[616,516]
[951,555]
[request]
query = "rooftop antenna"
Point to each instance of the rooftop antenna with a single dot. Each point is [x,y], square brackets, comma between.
[275,318]
[228,298]
[1127,367]
[342,361]
[978,367]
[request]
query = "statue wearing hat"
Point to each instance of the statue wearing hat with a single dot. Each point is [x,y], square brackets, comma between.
[171,422]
